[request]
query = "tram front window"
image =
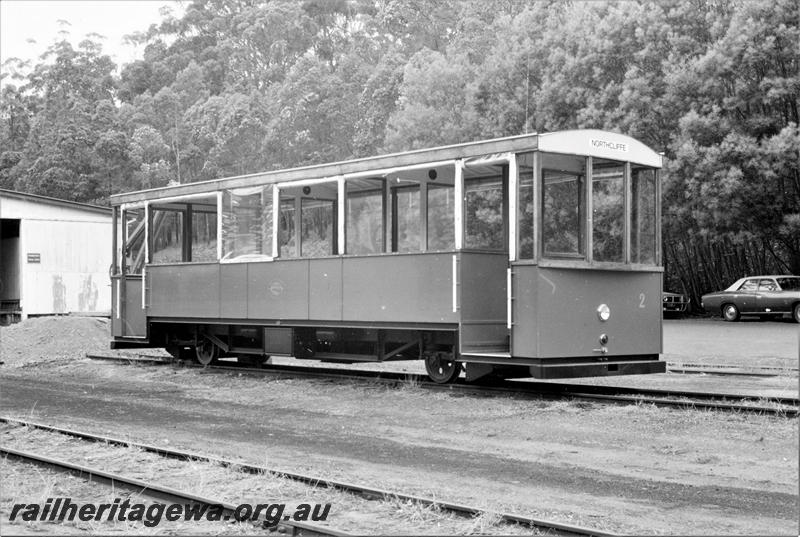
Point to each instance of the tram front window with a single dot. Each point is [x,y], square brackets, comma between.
[525,205]
[563,181]
[643,215]
[608,210]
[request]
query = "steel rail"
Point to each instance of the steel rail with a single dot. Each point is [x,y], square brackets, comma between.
[315,481]
[672,367]
[785,369]
[152,490]
[731,370]
[718,372]
[619,394]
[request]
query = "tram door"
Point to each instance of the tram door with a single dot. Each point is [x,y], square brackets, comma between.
[127,283]
[483,261]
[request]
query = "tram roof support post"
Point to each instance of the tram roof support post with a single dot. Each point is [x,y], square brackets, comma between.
[658,253]
[340,223]
[626,225]
[423,216]
[458,209]
[537,208]
[588,220]
[219,224]
[513,194]
[276,220]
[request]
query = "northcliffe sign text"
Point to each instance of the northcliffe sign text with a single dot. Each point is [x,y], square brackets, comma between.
[613,146]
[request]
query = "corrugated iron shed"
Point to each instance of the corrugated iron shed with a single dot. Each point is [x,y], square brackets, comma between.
[54,256]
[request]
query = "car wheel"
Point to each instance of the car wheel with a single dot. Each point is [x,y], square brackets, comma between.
[730,313]
[796,313]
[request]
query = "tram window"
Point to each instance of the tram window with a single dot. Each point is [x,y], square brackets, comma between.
[441,214]
[133,247]
[563,181]
[247,223]
[308,220]
[643,215]
[608,210]
[167,236]
[405,205]
[288,242]
[364,217]
[204,235]
[483,213]
[317,225]
[525,228]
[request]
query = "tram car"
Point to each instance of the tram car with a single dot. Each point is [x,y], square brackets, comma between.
[527,256]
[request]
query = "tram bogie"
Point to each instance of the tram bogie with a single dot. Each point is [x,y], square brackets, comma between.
[534,255]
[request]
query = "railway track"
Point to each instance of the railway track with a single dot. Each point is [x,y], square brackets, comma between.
[297,528]
[148,489]
[781,406]
[731,370]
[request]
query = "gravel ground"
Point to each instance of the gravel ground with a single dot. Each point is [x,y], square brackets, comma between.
[24,483]
[629,469]
[353,514]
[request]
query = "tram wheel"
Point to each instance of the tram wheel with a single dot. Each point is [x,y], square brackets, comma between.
[441,367]
[730,313]
[206,352]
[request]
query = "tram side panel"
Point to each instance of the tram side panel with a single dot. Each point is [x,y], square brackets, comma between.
[410,288]
[556,313]
[403,289]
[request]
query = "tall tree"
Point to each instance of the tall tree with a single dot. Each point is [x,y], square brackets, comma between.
[735,171]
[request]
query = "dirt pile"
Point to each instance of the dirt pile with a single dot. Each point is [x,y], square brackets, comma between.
[49,339]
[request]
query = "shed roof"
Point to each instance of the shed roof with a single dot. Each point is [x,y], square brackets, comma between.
[46,200]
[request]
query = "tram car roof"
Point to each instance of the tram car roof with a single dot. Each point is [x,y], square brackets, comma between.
[584,142]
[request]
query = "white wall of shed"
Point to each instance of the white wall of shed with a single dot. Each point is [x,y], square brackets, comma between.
[74,247]
[72,275]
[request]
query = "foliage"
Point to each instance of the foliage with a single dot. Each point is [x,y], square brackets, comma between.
[235,87]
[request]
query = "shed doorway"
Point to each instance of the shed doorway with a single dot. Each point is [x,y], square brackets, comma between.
[10,310]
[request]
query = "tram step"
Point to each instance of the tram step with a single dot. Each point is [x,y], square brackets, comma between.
[486,354]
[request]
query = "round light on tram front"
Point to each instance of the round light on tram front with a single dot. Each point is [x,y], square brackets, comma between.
[603,312]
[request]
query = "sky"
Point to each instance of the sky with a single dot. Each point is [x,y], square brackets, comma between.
[23,20]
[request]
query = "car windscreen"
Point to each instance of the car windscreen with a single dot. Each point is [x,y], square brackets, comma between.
[789,284]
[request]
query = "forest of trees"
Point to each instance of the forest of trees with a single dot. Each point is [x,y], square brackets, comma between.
[241,86]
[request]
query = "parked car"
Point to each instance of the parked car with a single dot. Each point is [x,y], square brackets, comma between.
[674,302]
[757,295]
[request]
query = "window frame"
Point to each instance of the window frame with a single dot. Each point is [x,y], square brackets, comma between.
[587,226]
[771,281]
[742,289]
